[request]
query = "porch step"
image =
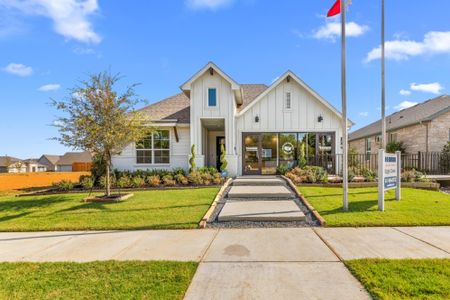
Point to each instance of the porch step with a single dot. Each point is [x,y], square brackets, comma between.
[265,211]
[258,181]
[261,191]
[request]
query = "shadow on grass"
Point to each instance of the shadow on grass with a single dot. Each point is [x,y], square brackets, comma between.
[360,206]
[340,194]
[12,217]
[32,203]
[101,206]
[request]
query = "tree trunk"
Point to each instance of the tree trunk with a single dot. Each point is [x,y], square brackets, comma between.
[108,181]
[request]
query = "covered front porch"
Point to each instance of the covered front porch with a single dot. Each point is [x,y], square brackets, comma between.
[213,137]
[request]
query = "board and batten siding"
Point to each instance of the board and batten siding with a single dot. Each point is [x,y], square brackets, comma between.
[179,153]
[225,108]
[302,117]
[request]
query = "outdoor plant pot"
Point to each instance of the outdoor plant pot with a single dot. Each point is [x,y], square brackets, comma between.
[108,199]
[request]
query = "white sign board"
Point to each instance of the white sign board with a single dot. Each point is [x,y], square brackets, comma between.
[389,175]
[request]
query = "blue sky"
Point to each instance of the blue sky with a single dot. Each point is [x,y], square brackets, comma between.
[48,45]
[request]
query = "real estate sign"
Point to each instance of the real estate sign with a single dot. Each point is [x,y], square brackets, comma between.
[389,175]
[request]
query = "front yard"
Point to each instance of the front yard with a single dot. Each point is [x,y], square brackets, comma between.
[157,209]
[417,207]
[96,280]
[403,279]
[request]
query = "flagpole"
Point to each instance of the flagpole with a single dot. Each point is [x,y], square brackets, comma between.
[344,112]
[383,91]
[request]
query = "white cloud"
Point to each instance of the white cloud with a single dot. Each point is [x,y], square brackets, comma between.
[70,17]
[332,30]
[434,88]
[49,87]
[405,104]
[18,69]
[434,42]
[405,92]
[364,114]
[207,4]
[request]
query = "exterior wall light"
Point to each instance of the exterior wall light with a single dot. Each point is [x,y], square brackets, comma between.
[319,118]
[256,119]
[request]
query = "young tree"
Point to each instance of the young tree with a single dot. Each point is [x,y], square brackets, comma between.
[98,119]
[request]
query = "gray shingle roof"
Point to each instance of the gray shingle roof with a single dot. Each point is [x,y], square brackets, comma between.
[4,160]
[52,158]
[250,92]
[72,157]
[175,107]
[424,111]
[178,106]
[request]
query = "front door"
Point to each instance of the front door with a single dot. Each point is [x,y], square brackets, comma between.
[251,144]
[220,140]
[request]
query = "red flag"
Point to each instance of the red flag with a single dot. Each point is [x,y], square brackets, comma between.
[335,9]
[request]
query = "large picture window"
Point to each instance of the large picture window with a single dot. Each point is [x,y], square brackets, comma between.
[154,149]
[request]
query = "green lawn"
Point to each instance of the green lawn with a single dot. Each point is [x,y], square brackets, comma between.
[178,208]
[417,207]
[96,280]
[403,279]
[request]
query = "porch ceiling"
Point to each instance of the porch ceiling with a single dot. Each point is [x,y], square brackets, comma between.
[214,124]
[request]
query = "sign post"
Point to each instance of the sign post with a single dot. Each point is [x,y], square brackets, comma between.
[389,175]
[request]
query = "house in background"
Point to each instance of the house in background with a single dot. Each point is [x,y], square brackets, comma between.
[49,161]
[9,164]
[424,127]
[260,126]
[67,162]
[33,165]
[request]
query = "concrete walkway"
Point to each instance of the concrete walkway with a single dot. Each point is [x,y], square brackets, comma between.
[271,263]
[260,199]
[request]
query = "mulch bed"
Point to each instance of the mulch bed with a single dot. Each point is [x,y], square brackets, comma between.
[108,199]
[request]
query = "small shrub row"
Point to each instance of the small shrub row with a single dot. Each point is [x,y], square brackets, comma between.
[308,174]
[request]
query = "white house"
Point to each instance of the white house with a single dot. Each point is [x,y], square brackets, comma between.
[261,126]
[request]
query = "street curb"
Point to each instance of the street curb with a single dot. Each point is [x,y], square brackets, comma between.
[305,201]
[204,220]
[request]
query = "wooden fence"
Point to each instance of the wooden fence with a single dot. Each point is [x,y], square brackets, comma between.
[81,167]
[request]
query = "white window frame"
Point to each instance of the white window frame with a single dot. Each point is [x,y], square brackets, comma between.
[153,149]
[287,94]
[207,97]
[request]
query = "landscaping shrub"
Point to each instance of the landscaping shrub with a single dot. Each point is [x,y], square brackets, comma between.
[181,179]
[309,174]
[168,180]
[413,176]
[195,178]
[207,170]
[102,181]
[217,179]
[368,174]
[223,160]
[154,180]
[394,146]
[87,182]
[123,182]
[192,159]
[282,169]
[137,182]
[64,185]
[207,178]
[178,171]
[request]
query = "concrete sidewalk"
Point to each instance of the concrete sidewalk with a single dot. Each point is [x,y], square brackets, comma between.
[262,263]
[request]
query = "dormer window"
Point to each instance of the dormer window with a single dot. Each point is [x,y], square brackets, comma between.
[212,97]
[287,101]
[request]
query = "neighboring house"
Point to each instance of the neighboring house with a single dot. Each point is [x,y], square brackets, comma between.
[33,165]
[424,127]
[66,162]
[261,126]
[9,164]
[49,161]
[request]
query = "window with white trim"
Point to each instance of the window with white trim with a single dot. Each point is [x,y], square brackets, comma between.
[212,97]
[154,149]
[287,102]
